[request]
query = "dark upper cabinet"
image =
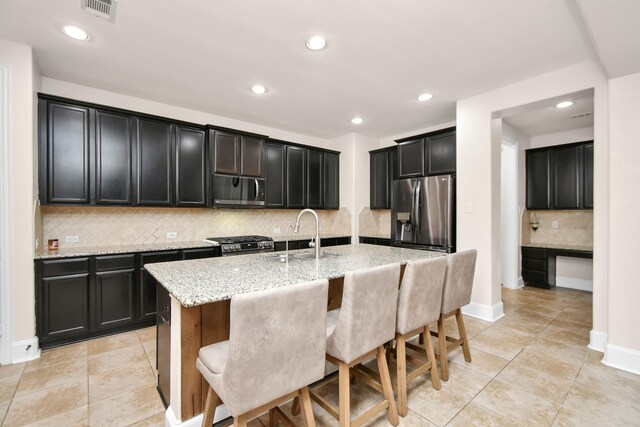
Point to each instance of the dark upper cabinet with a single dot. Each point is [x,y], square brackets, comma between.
[588,176]
[379,194]
[191,167]
[226,153]
[537,165]
[314,179]
[440,152]
[252,156]
[560,177]
[275,175]
[64,153]
[236,154]
[411,158]
[331,178]
[566,171]
[154,163]
[113,165]
[296,179]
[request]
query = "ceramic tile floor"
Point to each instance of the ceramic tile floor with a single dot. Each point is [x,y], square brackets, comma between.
[530,368]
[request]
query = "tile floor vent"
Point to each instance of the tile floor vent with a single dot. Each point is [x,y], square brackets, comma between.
[101,8]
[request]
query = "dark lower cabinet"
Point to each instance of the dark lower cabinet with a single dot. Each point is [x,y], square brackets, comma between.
[147,285]
[275,173]
[86,297]
[535,267]
[304,244]
[115,298]
[154,161]
[375,241]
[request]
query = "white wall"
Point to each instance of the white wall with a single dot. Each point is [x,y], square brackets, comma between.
[479,177]
[623,348]
[22,138]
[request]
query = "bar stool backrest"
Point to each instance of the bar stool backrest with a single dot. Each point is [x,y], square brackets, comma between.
[420,294]
[458,280]
[367,317]
[277,343]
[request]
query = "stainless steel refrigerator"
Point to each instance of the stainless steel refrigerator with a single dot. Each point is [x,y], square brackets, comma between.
[423,213]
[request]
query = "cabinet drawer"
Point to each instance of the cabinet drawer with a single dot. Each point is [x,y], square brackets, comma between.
[151,257]
[115,262]
[534,264]
[536,253]
[368,240]
[534,276]
[65,267]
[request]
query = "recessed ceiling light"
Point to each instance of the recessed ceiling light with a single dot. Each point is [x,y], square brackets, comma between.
[316,43]
[425,97]
[564,104]
[357,120]
[258,89]
[76,33]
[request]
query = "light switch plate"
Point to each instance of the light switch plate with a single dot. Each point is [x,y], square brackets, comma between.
[555,224]
[468,207]
[276,230]
[71,239]
[171,234]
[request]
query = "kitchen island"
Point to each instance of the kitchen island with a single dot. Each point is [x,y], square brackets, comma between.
[195,309]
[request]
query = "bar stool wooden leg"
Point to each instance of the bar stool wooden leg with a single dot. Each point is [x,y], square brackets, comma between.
[295,406]
[273,421]
[463,334]
[402,376]
[240,421]
[210,408]
[442,341]
[344,394]
[392,412]
[435,378]
[307,409]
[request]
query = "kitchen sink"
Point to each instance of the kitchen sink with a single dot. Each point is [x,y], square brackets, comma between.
[305,255]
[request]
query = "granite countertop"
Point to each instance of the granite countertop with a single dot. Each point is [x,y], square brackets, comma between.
[559,246]
[120,249]
[203,281]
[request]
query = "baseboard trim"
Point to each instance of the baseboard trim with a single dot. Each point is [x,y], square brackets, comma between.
[622,358]
[597,340]
[573,283]
[520,282]
[24,351]
[170,419]
[491,313]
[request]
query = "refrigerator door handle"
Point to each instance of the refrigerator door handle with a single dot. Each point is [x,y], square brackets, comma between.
[416,207]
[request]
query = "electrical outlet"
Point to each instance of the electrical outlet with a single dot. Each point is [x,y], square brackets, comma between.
[468,207]
[555,224]
[171,234]
[71,239]
[276,230]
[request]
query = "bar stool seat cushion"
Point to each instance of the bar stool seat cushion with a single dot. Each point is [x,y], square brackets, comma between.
[215,356]
[458,281]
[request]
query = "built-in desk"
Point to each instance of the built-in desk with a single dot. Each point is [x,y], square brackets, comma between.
[539,262]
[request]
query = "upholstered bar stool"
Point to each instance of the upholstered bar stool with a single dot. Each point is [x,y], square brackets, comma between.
[419,303]
[358,331]
[456,293]
[276,347]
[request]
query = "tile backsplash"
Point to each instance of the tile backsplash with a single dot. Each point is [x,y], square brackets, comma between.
[375,222]
[574,227]
[101,226]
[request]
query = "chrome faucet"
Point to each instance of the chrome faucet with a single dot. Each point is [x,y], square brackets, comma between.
[296,229]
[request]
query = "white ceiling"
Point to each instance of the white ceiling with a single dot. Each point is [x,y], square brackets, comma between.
[544,118]
[380,54]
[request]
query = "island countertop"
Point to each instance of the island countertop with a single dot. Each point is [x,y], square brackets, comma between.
[204,281]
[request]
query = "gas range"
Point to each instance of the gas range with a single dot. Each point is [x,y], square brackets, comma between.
[236,245]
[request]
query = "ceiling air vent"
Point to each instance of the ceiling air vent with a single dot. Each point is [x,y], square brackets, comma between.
[577,116]
[101,8]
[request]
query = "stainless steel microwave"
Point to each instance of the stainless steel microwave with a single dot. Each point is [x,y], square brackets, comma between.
[237,191]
